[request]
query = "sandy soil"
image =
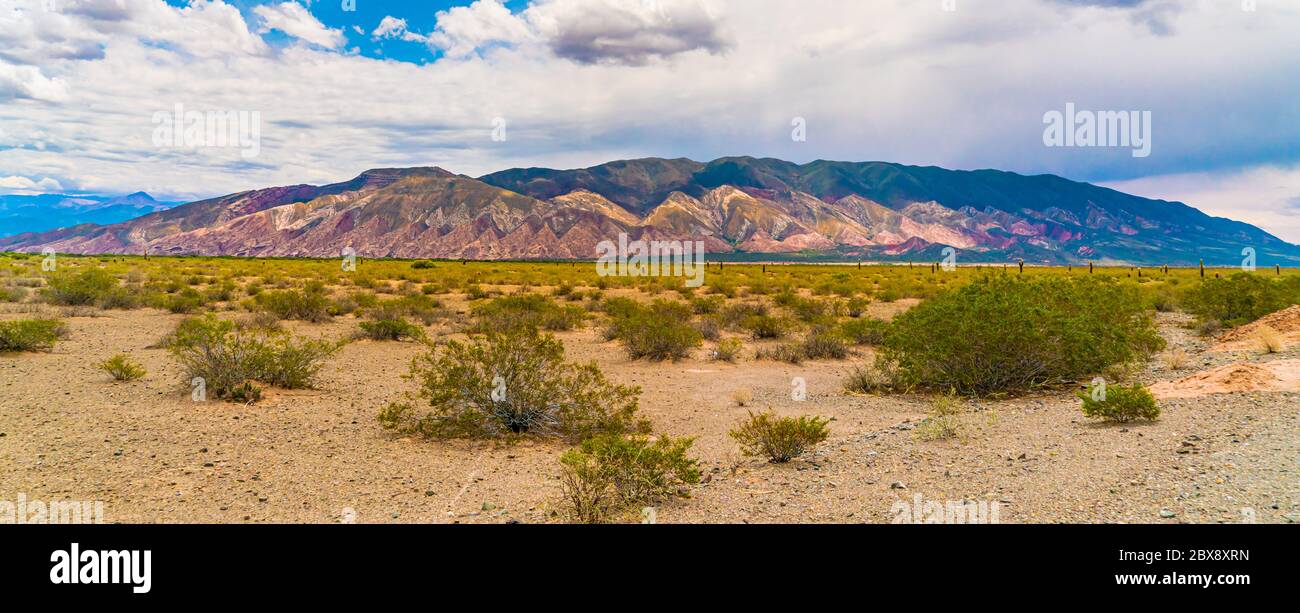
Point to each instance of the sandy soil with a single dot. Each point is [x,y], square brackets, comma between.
[1285,324]
[67,432]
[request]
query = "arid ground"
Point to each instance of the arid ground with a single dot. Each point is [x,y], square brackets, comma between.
[1220,451]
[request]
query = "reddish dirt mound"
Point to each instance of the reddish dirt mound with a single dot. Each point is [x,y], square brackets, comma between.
[1275,376]
[1286,322]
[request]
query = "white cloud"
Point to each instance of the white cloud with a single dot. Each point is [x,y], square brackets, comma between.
[895,80]
[23,185]
[393,27]
[295,20]
[584,31]
[463,30]
[29,82]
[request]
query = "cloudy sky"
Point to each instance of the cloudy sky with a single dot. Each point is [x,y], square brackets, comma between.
[341,86]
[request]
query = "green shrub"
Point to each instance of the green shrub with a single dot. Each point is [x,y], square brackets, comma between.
[609,473]
[765,326]
[865,331]
[230,358]
[728,350]
[1120,403]
[30,334]
[791,353]
[1006,334]
[122,368]
[824,343]
[120,298]
[186,300]
[307,304]
[13,294]
[1241,298]
[388,327]
[660,331]
[513,382]
[528,310]
[733,316]
[708,305]
[857,307]
[779,439]
[79,289]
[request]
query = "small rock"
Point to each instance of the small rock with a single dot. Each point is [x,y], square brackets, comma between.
[428,492]
[487,506]
[897,485]
[1167,514]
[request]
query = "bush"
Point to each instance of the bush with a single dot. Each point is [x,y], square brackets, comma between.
[612,472]
[229,358]
[709,328]
[1241,298]
[708,305]
[511,383]
[791,353]
[824,343]
[660,331]
[779,439]
[871,379]
[307,304]
[1121,403]
[528,310]
[944,420]
[728,350]
[187,300]
[30,334]
[120,298]
[80,289]
[765,326]
[865,331]
[388,327]
[122,368]
[1004,334]
[13,294]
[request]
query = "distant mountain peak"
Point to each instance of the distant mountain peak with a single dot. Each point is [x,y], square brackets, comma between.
[821,209]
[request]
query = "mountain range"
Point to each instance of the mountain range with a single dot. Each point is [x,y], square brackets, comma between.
[741,207]
[40,212]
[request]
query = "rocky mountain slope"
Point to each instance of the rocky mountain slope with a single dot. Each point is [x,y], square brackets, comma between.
[746,207]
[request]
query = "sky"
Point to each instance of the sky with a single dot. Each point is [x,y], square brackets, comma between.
[336,87]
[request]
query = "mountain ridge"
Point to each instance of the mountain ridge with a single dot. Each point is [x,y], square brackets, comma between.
[739,206]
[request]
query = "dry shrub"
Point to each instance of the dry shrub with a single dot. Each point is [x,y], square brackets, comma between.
[1176,358]
[1268,340]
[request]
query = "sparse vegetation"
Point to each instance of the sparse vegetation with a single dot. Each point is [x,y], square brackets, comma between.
[30,334]
[779,439]
[1268,340]
[230,359]
[660,331]
[1121,404]
[610,473]
[530,310]
[943,420]
[122,368]
[307,304]
[511,383]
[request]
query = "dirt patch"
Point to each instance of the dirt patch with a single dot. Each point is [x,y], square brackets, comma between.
[1275,376]
[1286,322]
